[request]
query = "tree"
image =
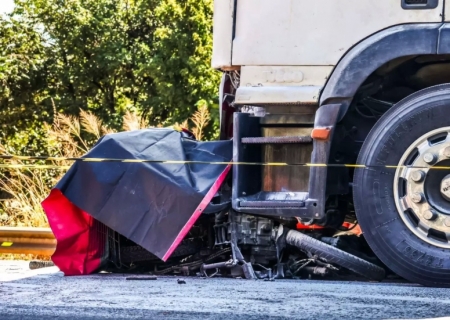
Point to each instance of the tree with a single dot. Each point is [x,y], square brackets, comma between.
[106,56]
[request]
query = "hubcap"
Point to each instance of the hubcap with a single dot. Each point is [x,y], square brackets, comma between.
[445,187]
[422,194]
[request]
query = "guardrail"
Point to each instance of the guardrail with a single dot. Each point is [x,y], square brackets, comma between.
[39,241]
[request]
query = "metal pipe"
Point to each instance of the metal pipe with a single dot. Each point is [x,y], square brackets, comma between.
[217,265]
[39,241]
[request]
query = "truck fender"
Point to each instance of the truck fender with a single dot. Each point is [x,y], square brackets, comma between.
[376,50]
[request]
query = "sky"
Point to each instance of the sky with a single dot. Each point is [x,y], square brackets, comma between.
[6,5]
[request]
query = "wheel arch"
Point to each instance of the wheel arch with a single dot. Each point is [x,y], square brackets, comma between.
[377,50]
[387,48]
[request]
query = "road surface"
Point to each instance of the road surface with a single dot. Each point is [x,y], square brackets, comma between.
[47,294]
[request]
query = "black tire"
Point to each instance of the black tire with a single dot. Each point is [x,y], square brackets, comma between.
[334,255]
[391,240]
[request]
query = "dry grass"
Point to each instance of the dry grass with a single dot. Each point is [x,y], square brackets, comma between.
[200,120]
[24,190]
[132,121]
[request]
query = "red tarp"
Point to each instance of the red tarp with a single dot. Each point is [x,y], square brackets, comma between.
[80,240]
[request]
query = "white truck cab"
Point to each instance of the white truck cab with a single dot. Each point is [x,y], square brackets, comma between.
[353,96]
[290,47]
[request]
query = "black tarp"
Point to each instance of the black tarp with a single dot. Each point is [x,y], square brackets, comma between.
[149,203]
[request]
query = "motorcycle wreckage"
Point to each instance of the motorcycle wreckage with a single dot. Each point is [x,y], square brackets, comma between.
[143,213]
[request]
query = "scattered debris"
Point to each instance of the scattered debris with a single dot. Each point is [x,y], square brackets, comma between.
[142,278]
[38,264]
[232,252]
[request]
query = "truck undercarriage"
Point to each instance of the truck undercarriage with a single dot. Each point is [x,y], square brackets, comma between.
[245,246]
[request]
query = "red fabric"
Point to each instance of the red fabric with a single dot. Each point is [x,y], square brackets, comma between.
[198,211]
[80,246]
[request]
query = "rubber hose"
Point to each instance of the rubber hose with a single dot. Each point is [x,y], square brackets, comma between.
[334,255]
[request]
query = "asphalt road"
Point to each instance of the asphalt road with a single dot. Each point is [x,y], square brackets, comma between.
[47,294]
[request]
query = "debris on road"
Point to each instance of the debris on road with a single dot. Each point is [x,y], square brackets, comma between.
[37,264]
[142,278]
[181,281]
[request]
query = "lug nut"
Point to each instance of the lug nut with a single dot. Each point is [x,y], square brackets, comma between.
[429,158]
[445,187]
[429,215]
[447,152]
[418,176]
[417,197]
[447,222]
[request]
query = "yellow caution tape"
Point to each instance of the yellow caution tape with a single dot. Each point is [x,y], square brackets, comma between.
[65,167]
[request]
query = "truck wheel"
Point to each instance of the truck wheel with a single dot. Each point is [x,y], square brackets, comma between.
[402,197]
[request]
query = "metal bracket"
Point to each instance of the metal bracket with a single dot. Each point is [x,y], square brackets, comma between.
[236,252]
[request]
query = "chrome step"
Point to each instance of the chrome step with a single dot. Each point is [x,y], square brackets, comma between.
[280,200]
[277,140]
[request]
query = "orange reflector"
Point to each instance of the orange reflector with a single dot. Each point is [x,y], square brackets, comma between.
[320,133]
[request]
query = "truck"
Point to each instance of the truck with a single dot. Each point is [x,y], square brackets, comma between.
[350,102]
[334,155]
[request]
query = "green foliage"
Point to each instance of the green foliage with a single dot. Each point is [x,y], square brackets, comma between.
[106,56]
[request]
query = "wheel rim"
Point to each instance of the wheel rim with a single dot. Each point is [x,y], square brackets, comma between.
[422,194]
